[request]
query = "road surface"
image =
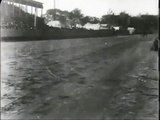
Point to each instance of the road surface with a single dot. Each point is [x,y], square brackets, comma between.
[91,78]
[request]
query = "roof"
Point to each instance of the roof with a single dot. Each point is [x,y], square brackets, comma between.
[92,23]
[116,27]
[105,25]
[27,2]
[131,28]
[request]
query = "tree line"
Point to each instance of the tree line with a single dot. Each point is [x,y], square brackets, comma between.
[142,23]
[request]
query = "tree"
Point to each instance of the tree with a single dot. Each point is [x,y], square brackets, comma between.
[85,20]
[88,19]
[75,17]
[123,20]
[76,13]
[144,23]
[110,18]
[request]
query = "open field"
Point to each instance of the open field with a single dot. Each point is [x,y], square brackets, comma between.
[90,78]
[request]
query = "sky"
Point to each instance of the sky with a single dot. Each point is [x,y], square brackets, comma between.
[97,8]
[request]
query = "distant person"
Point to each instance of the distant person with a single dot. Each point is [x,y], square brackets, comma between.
[155,45]
[145,29]
[144,33]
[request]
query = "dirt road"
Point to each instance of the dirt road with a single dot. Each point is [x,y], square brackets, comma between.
[90,78]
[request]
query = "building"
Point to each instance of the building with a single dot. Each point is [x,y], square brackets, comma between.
[116,28]
[79,26]
[56,24]
[15,7]
[104,26]
[131,30]
[90,26]
[29,6]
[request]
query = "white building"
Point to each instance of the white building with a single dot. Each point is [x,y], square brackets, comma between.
[104,26]
[79,26]
[56,24]
[91,26]
[116,28]
[131,30]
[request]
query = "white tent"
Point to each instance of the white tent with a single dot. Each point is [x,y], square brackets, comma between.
[54,24]
[92,26]
[131,30]
[104,26]
[79,26]
[116,28]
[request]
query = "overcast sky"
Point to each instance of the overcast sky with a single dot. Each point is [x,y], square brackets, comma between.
[98,8]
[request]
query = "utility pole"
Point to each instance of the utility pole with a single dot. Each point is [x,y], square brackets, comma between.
[35,18]
[54,7]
